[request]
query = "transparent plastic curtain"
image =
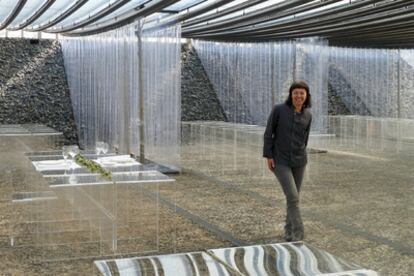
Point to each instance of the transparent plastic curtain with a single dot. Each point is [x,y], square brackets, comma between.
[374,82]
[376,90]
[162,83]
[250,78]
[311,65]
[103,76]
[406,83]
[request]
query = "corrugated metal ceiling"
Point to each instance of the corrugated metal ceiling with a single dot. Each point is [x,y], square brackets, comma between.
[387,23]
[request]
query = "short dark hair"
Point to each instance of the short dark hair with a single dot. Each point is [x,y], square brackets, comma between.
[303,85]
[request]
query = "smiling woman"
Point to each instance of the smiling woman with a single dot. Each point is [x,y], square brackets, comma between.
[299,96]
[285,140]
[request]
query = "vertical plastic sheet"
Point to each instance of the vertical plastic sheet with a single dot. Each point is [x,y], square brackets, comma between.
[406,84]
[376,87]
[102,72]
[63,211]
[311,65]
[368,135]
[360,154]
[250,78]
[223,149]
[375,82]
[162,86]
[228,156]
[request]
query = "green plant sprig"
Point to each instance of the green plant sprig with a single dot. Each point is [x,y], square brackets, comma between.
[93,166]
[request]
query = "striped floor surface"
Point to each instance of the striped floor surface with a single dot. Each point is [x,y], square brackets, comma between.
[271,259]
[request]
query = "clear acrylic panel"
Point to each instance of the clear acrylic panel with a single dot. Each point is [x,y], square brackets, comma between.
[103,76]
[72,213]
[249,78]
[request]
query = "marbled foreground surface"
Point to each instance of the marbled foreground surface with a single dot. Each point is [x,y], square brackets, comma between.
[271,259]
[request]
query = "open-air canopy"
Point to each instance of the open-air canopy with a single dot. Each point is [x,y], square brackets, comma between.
[386,23]
[132,136]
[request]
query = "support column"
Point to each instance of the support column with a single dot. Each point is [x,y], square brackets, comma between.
[272,73]
[141,114]
[399,84]
[126,97]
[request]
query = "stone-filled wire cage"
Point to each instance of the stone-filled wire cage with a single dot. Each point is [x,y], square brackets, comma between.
[373,82]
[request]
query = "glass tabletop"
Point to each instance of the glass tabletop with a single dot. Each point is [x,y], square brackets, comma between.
[117,178]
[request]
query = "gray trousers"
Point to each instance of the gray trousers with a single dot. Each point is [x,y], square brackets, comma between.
[291,179]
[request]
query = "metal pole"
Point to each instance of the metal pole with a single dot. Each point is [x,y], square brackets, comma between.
[141,93]
[295,60]
[399,84]
[126,103]
[272,73]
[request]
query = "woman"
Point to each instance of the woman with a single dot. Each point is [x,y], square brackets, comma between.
[285,140]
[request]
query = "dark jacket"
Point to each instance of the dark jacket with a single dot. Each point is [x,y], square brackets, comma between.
[286,136]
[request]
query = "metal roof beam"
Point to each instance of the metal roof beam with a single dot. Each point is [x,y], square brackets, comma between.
[253,17]
[224,12]
[34,16]
[278,15]
[322,29]
[337,14]
[339,17]
[356,24]
[181,17]
[123,19]
[379,31]
[12,15]
[91,19]
[76,5]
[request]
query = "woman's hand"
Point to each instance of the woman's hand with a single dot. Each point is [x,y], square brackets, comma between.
[271,164]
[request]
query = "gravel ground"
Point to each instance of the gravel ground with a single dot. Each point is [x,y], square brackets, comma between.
[354,207]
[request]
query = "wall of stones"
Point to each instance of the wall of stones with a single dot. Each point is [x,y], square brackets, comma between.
[342,97]
[373,82]
[199,101]
[33,85]
[336,106]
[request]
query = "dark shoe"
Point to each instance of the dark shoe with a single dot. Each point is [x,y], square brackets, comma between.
[288,232]
[298,236]
[288,237]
